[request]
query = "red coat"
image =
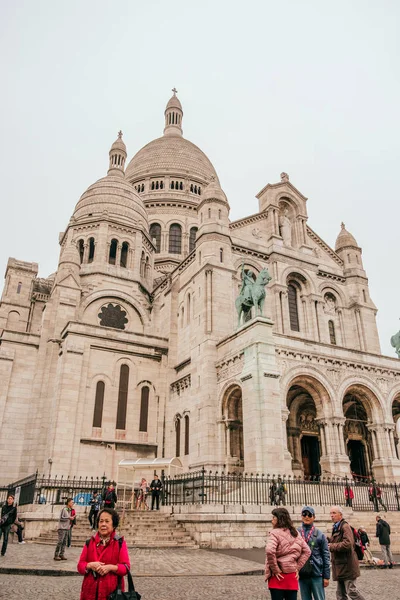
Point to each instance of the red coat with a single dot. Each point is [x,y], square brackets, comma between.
[111,554]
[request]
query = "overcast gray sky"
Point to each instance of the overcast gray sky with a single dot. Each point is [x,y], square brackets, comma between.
[311,88]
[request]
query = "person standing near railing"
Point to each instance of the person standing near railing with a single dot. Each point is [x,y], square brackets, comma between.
[8,516]
[64,525]
[94,503]
[155,487]
[110,497]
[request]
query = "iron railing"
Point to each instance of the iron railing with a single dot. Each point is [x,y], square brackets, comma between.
[44,490]
[205,487]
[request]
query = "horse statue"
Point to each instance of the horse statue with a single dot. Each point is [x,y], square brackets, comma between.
[395,341]
[252,293]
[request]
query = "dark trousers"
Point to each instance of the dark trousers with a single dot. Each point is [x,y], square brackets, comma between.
[19,533]
[93,518]
[283,594]
[155,497]
[5,532]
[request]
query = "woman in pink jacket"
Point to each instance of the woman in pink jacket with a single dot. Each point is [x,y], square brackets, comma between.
[286,554]
[104,559]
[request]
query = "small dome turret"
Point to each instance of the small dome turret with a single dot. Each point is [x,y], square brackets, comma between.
[345,239]
[214,192]
[173,116]
[117,157]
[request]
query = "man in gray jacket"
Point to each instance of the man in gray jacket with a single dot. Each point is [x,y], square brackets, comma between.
[383,533]
[64,525]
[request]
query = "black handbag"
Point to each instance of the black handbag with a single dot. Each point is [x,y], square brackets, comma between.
[131,594]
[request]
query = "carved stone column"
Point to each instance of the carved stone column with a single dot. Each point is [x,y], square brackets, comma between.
[285,312]
[118,256]
[285,415]
[294,444]
[209,323]
[85,253]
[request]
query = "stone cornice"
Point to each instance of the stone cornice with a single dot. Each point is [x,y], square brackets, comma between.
[250,252]
[331,276]
[248,220]
[324,246]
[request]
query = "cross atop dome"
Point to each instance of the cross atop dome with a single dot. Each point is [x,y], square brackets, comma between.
[174,90]
[120,134]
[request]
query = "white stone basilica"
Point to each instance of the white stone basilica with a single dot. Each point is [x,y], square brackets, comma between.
[133,349]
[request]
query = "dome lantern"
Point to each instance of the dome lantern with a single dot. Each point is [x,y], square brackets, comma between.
[117,157]
[173,116]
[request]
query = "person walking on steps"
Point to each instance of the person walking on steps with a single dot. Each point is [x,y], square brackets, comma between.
[64,525]
[110,497]
[383,533]
[8,516]
[344,560]
[314,576]
[155,488]
[94,503]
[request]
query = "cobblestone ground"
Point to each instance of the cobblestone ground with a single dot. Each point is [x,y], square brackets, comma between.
[373,584]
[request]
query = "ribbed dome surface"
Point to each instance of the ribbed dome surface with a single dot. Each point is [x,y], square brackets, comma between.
[170,155]
[345,239]
[174,102]
[114,195]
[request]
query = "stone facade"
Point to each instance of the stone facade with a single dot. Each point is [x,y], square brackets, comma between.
[133,347]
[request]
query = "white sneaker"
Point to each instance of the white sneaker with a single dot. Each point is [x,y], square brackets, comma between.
[21,542]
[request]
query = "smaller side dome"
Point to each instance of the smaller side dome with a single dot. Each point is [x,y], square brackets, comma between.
[173,116]
[117,157]
[345,239]
[214,192]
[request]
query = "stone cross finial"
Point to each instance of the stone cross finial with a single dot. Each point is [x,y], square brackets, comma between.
[342,225]
[175,91]
[119,134]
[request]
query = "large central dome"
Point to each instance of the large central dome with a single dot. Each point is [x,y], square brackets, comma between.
[171,154]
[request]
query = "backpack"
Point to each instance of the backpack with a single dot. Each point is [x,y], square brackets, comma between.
[358,545]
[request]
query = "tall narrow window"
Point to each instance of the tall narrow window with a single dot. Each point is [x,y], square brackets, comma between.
[122,397]
[144,408]
[91,250]
[142,264]
[178,437]
[192,238]
[186,434]
[98,404]
[155,234]
[175,239]
[293,311]
[113,252]
[19,287]
[81,250]
[332,335]
[221,255]
[124,254]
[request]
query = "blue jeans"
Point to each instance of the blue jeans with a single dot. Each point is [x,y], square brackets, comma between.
[312,588]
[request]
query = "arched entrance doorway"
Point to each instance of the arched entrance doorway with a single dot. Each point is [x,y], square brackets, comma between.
[303,432]
[357,437]
[233,418]
[396,420]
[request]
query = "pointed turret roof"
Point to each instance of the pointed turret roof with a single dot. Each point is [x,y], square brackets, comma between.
[345,239]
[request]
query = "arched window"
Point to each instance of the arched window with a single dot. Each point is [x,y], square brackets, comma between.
[161,185]
[124,254]
[192,238]
[142,189]
[221,255]
[178,437]
[171,185]
[181,186]
[122,397]
[332,335]
[91,250]
[152,185]
[98,404]
[186,434]
[219,214]
[19,287]
[188,308]
[81,248]
[144,408]
[209,213]
[155,234]
[293,311]
[191,187]
[199,191]
[12,320]
[113,252]
[142,264]
[175,239]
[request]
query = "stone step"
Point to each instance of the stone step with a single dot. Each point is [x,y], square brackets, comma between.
[140,544]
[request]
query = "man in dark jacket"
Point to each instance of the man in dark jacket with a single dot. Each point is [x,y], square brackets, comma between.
[8,516]
[155,487]
[345,565]
[110,497]
[315,574]
[383,533]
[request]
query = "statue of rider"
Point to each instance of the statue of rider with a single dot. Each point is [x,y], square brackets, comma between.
[248,278]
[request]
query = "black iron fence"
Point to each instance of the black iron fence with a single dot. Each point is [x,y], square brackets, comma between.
[44,490]
[205,487]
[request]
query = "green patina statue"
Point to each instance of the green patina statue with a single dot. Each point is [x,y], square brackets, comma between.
[395,341]
[252,293]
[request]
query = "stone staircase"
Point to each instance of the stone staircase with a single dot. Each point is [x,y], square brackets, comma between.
[140,529]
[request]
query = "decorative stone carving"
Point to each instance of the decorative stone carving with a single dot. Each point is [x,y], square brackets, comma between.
[256,232]
[286,228]
[284,177]
[307,422]
[113,315]
[333,376]
[180,385]
[329,304]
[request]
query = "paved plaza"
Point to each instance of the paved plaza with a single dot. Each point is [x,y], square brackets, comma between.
[374,584]
[164,575]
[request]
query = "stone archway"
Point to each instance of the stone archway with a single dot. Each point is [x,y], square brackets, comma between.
[232,416]
[396,420]
[361,431]
[306,426]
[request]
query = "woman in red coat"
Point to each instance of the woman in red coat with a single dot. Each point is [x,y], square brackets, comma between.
[104,559]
